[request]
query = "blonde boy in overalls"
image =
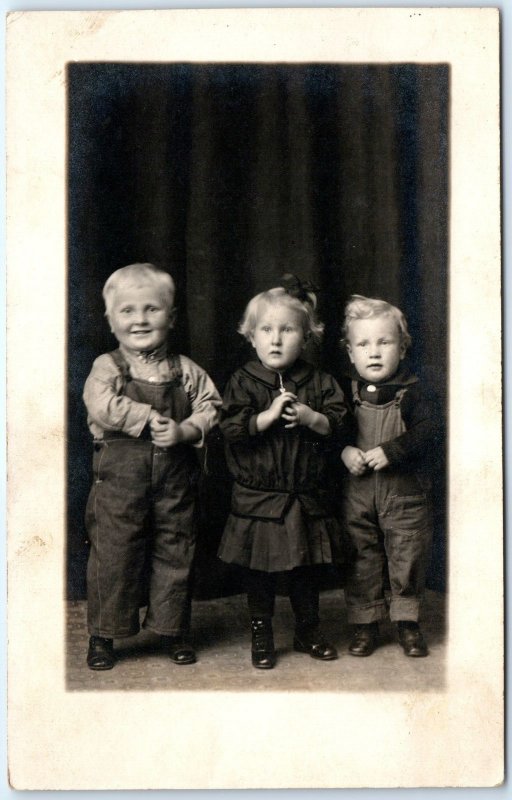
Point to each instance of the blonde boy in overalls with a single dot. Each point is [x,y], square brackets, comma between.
[387,511]
[147,410]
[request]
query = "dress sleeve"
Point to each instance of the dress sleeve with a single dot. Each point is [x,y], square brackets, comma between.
[239,411]
[421,417]
[106,406]
[334,407]
[204,398]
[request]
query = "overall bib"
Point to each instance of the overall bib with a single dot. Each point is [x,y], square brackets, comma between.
[141,510]
[387,517]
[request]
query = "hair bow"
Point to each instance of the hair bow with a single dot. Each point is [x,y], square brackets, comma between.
[297,288]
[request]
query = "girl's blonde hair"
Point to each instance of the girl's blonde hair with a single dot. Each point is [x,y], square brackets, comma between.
[360,307]
[138,275]
[279,296]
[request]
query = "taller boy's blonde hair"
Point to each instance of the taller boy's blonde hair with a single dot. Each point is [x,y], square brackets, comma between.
[279,296]
[360,307]
[137,276]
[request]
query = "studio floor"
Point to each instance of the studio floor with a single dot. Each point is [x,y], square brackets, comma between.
[222,640]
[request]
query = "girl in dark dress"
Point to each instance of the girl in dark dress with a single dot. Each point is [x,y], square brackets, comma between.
[279,417]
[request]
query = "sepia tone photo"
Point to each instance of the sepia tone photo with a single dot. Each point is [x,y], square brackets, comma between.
[228,177]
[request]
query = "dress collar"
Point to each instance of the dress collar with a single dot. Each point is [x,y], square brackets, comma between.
[298,373]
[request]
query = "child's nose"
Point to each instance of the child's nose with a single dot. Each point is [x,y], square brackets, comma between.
[276,336]
[141,316]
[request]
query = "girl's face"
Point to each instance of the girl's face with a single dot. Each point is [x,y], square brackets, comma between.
[278,336]
[375,348]
[139,318]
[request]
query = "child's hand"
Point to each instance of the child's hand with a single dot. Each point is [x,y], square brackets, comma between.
[266,418]
[354,460]
[165,432]
[298,414]
[376,459]
[156,420]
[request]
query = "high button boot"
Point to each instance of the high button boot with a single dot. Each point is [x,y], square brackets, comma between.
[310,639]
[263,653]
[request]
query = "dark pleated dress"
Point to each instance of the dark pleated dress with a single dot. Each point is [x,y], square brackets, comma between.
[281,514]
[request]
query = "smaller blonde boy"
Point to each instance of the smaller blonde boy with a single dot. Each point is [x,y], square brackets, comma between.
[148,408]
[387,512]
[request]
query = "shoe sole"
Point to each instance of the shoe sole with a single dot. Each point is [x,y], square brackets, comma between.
[101,668]
[361,655]
[318,658]
[183,662]
[415,655]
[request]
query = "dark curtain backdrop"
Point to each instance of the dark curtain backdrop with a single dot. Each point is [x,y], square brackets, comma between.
[229,175]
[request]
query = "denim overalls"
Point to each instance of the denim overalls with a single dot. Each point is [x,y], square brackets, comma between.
[388,520]
[141,515]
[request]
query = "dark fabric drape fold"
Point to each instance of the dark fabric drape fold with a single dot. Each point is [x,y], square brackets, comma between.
[229,175]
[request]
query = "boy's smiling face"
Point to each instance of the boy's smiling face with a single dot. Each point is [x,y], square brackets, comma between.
[375,348]
[139,318]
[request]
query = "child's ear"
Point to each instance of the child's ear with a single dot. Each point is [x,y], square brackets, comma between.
[172,318]
[403,351]
[307,337]
[349,351]
[109,322]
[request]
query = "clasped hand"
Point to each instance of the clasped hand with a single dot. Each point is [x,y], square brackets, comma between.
[358,462]
[287,407]
[165,432]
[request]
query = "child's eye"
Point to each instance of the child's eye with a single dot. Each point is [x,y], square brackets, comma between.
[126,310]
[265,328]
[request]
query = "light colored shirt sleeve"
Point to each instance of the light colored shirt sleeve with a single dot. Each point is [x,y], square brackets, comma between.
[204,398]
[107,409]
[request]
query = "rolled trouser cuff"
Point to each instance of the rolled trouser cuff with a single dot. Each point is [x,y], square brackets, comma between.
[363,615]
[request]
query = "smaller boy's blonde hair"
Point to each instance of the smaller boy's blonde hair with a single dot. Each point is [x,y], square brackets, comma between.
[360,307]
[279,296]
[137,276]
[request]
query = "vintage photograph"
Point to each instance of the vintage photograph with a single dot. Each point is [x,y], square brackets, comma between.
[296,188]
[254,419]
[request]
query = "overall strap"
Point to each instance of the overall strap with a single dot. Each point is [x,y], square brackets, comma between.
[399,395]
[121,363]
[175,368]
[355,394]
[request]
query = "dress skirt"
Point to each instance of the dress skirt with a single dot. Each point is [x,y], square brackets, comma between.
[279,546]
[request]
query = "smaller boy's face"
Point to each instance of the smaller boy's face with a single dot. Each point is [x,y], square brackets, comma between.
[139,317]
[375,348]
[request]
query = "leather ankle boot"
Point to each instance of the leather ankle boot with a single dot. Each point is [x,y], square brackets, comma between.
[411,640]
[263,653]
[310,639]
[364,639]
[100,654]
